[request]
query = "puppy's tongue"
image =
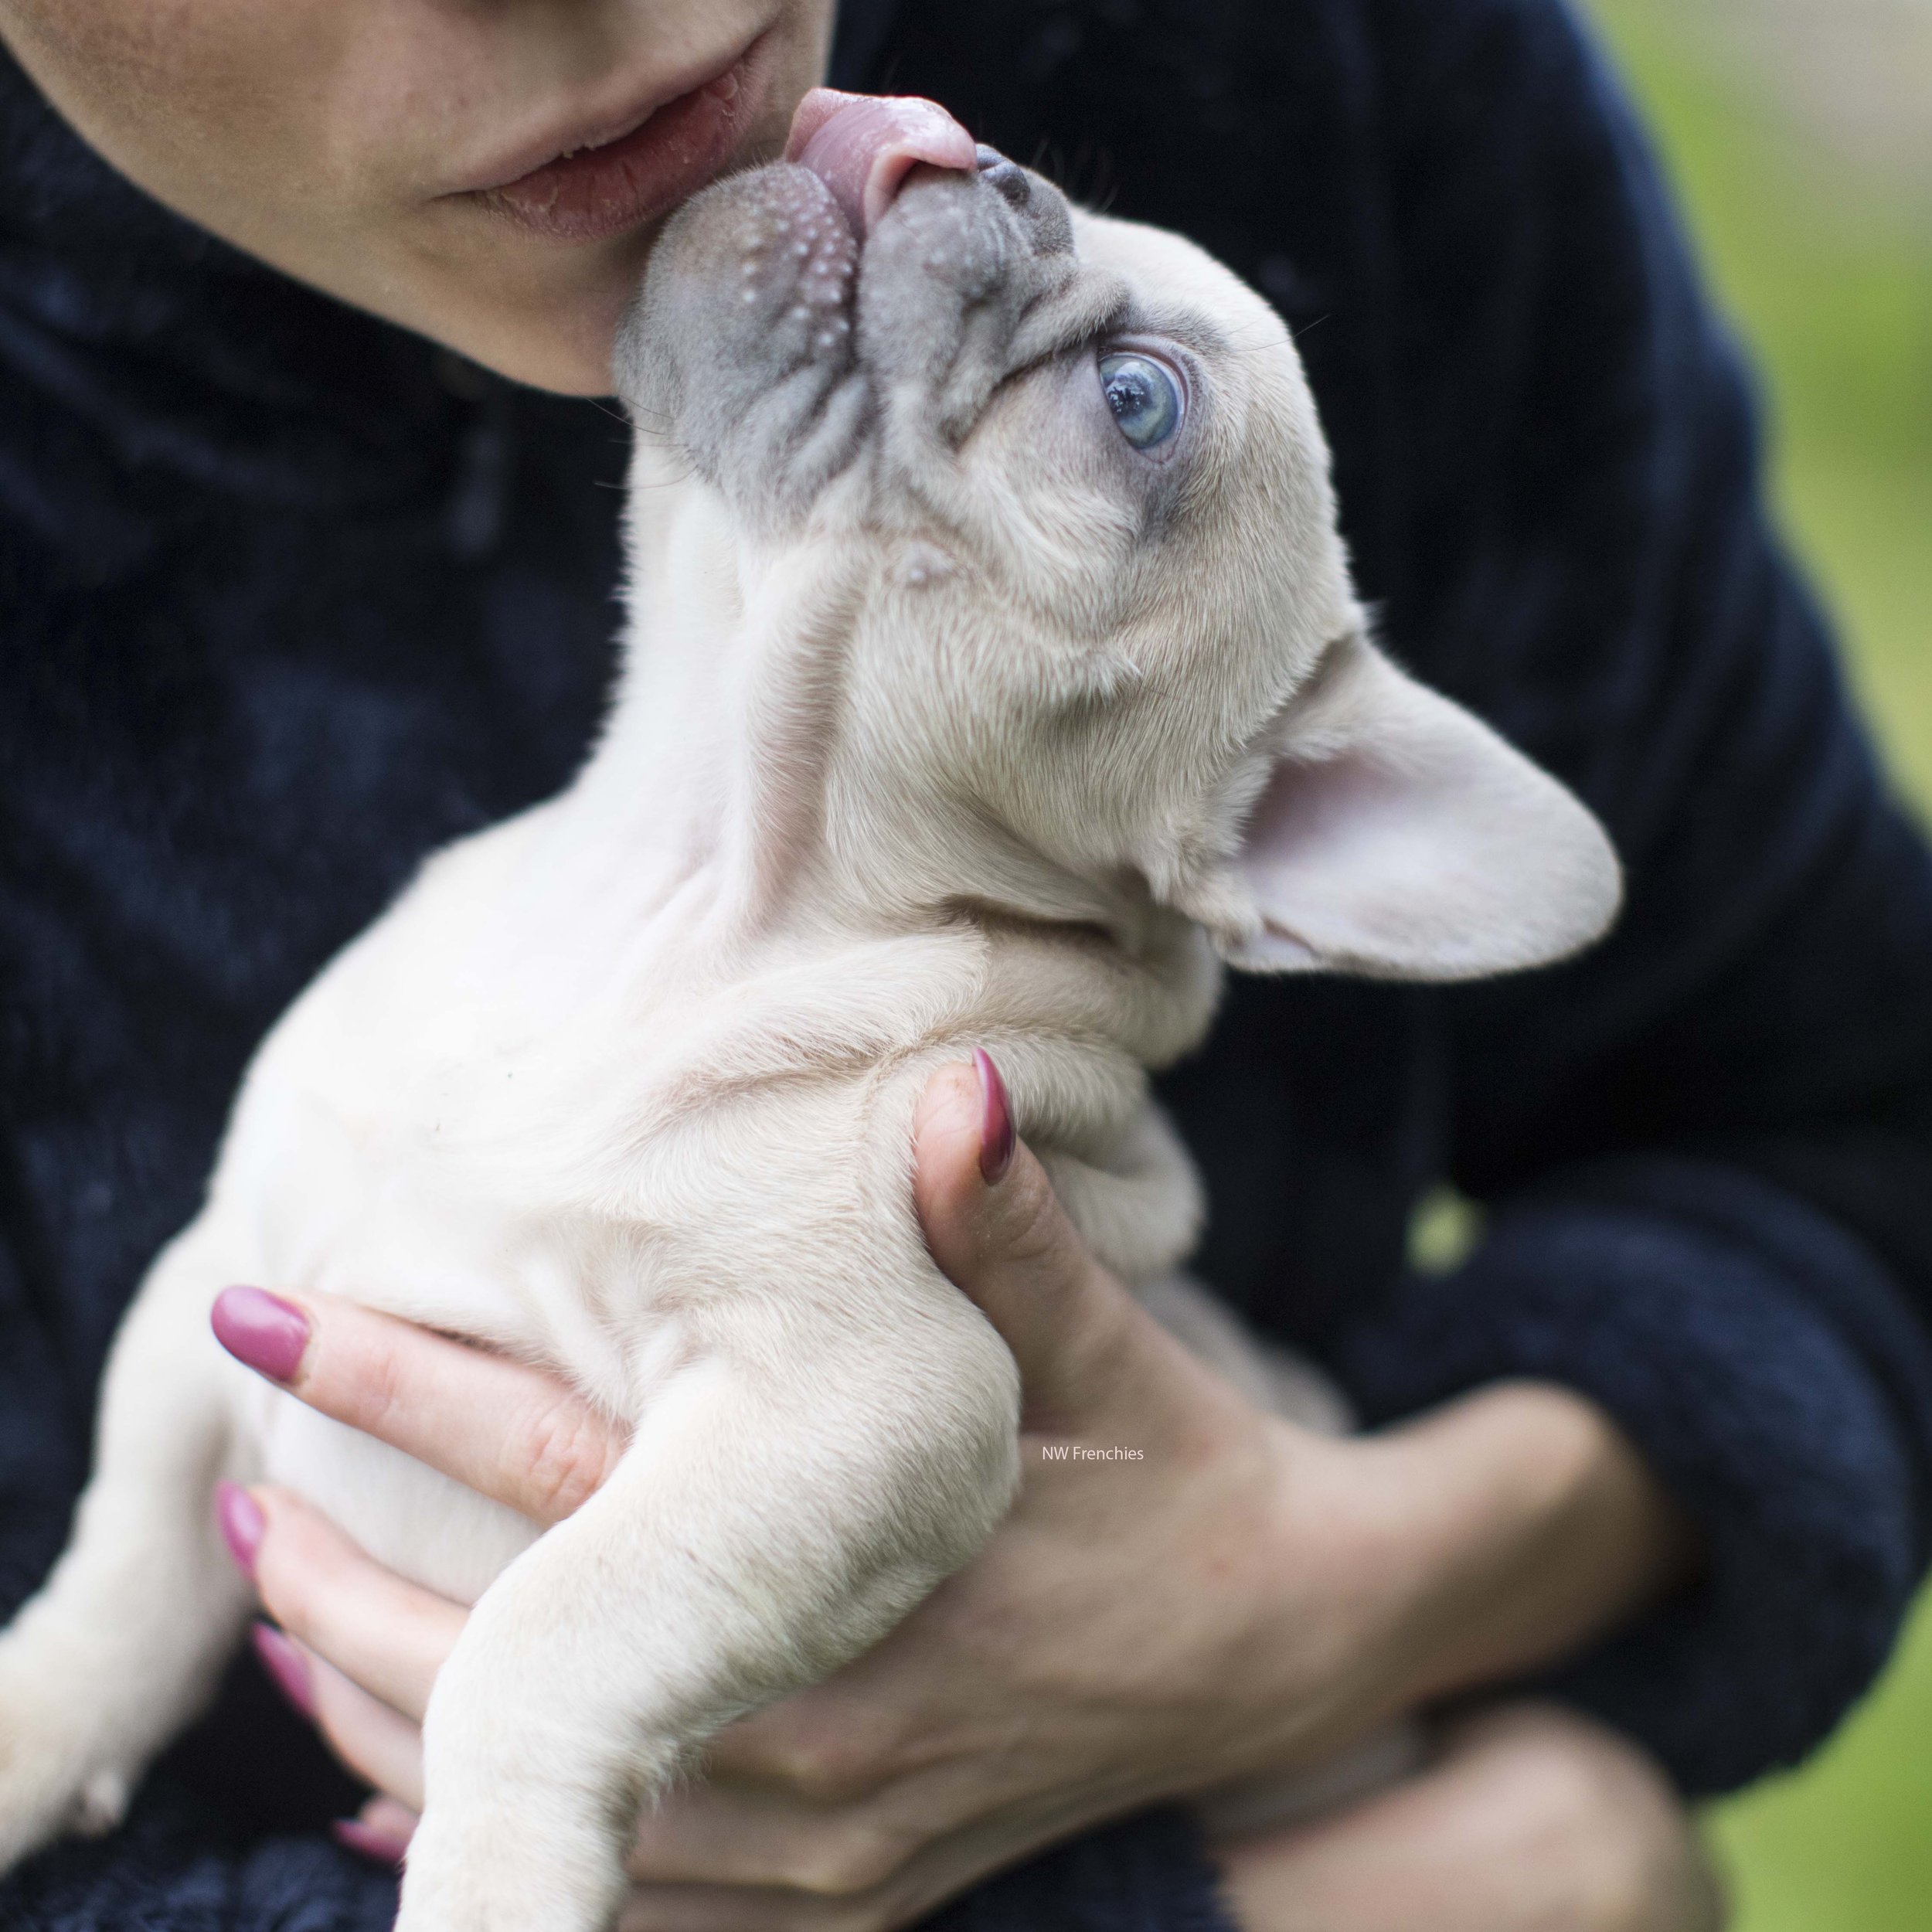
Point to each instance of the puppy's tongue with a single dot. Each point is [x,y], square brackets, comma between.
[863,146]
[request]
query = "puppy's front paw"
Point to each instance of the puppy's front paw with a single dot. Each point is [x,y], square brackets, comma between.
[101,1803]
[537,1860]
[50,1784]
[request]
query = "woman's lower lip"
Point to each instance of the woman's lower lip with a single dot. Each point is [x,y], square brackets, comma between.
[627,182]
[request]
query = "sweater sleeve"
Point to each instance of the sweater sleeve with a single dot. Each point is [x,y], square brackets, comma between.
[1760,1357]
[172,1869]
[41,1463]
[1705,1150]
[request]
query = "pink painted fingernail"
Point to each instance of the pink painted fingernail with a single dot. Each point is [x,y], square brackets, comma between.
[262,1330]
[286,1665]
[242,1524]
[378,1847]
[996,1120]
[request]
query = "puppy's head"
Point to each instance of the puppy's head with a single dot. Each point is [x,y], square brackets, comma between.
[1054,489]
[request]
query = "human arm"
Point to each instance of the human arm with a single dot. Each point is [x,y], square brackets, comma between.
[1531,1815]
[1705,1149]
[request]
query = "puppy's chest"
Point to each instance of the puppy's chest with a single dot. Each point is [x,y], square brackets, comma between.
[473,1216]
[408,1516]
[580,1189]
[535,1172]
[471,1196]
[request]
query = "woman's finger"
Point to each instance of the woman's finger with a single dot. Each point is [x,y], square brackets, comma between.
[998,1231]
[380,1631]
[725,1908]
[379,1745]
[380,1831]
[728,1833]
[509,1431]
[852,1890]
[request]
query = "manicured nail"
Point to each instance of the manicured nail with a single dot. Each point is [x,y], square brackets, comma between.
[286,1665]
[378,1847]
[995,1120]
[262,1330]
[242,1524]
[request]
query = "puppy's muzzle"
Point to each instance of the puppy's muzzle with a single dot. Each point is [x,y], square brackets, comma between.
[786,310]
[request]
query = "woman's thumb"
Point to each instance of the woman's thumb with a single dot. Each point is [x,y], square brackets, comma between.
[999,1233]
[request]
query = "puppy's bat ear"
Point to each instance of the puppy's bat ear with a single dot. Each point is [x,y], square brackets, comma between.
[1381,830]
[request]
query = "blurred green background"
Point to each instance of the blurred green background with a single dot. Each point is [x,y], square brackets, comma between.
[1799,133]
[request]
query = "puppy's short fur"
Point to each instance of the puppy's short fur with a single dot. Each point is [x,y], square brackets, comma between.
[949,719]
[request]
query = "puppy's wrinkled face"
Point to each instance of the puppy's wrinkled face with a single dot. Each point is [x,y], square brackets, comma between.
[1068,475]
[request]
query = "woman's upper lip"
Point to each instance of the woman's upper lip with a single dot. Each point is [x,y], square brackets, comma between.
[587,131]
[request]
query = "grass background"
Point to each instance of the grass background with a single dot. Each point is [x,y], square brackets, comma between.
[1806,179]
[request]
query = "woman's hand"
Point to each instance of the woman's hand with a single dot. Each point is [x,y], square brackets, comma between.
[1530,1817]
[1232,1596]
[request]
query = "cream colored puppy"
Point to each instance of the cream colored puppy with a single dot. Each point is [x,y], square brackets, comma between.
[993,673]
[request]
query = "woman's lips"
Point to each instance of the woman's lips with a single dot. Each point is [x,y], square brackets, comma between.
[674,151]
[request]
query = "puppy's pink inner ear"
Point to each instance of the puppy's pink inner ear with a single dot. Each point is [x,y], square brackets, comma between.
[1398,836]
[1339,859]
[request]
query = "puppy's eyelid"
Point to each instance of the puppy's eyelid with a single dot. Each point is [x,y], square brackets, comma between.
[1187,361]
[1196,336]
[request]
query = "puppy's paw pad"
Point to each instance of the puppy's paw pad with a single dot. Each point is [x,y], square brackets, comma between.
[49,1787]
[101,1803]
[36,1808]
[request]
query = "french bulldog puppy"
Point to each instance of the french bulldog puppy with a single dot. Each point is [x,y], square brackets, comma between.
[993,673]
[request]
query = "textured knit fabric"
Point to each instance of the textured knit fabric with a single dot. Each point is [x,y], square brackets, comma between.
[287,598]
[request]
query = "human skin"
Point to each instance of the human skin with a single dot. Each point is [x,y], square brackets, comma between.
[1247,1595]
[345,140]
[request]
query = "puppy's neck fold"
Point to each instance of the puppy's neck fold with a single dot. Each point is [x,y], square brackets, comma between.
[709,781]
[730,794]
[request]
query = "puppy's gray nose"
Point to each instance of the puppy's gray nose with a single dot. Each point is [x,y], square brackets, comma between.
[1009,177]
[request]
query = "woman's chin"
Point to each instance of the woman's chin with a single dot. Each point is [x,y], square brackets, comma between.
[552,329]
[573,358]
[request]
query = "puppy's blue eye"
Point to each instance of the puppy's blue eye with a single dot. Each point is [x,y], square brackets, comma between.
[1144,396]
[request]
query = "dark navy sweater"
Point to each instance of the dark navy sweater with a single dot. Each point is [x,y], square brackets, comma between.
[288,598]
